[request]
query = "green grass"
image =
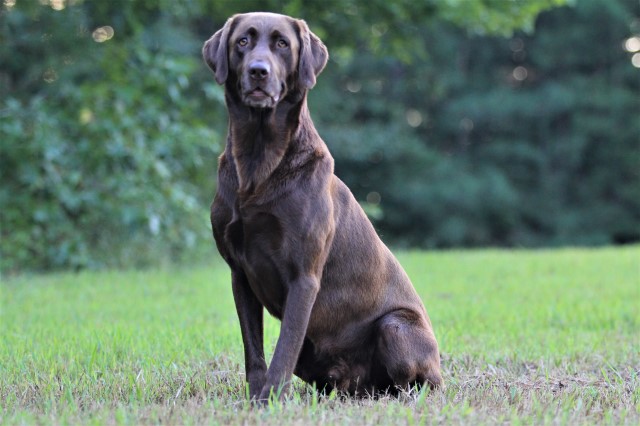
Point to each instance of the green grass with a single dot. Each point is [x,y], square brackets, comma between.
[526,337]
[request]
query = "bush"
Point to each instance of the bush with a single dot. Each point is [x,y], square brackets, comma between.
[110,161]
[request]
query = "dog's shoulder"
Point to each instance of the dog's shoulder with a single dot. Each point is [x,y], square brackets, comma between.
[308,161]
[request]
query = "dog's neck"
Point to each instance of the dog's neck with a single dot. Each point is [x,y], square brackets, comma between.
[259,138]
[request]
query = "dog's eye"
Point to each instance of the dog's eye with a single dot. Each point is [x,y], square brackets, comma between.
[243,42]
[282,44]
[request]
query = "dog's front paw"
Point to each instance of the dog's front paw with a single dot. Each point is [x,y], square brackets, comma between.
[256,382]
[271,392]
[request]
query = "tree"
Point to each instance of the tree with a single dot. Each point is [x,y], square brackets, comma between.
[110,123]
[494,141]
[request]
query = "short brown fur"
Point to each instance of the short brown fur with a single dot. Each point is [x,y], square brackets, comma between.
[296,240]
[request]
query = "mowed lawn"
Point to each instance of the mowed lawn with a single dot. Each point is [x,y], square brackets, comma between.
[532,337]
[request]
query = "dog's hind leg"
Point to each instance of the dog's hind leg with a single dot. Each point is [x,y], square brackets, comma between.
[408,350]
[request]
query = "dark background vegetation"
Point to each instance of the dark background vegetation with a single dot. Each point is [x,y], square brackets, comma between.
[456,124]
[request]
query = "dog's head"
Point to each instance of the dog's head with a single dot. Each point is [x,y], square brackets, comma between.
[266,56]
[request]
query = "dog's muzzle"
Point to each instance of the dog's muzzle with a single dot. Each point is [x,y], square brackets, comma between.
[260,87]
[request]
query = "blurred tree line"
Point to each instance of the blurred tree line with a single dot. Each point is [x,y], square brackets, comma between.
[453,122]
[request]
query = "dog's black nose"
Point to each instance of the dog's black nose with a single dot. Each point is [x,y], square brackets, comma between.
[259,70]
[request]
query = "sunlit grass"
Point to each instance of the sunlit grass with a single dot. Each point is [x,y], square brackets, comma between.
[526,336]
[532,304]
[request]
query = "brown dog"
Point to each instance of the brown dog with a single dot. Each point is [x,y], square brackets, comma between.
[296,240]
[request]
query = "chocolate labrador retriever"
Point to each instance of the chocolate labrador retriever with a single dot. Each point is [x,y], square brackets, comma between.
[296,240]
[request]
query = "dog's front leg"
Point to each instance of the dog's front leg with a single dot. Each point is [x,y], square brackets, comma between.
[250,314]
[301,296]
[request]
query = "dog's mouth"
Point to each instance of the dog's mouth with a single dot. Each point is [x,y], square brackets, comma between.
[260,98]
[258,94]
[265,94]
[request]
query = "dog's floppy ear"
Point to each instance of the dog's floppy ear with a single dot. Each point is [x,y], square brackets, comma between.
[313,56]
[215,54]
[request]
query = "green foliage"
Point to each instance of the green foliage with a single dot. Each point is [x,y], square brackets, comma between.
[110,123]
[524,336]
[525,141]
[106,158]
[495,16]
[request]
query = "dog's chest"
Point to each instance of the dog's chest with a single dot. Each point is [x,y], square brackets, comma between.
[255,241]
